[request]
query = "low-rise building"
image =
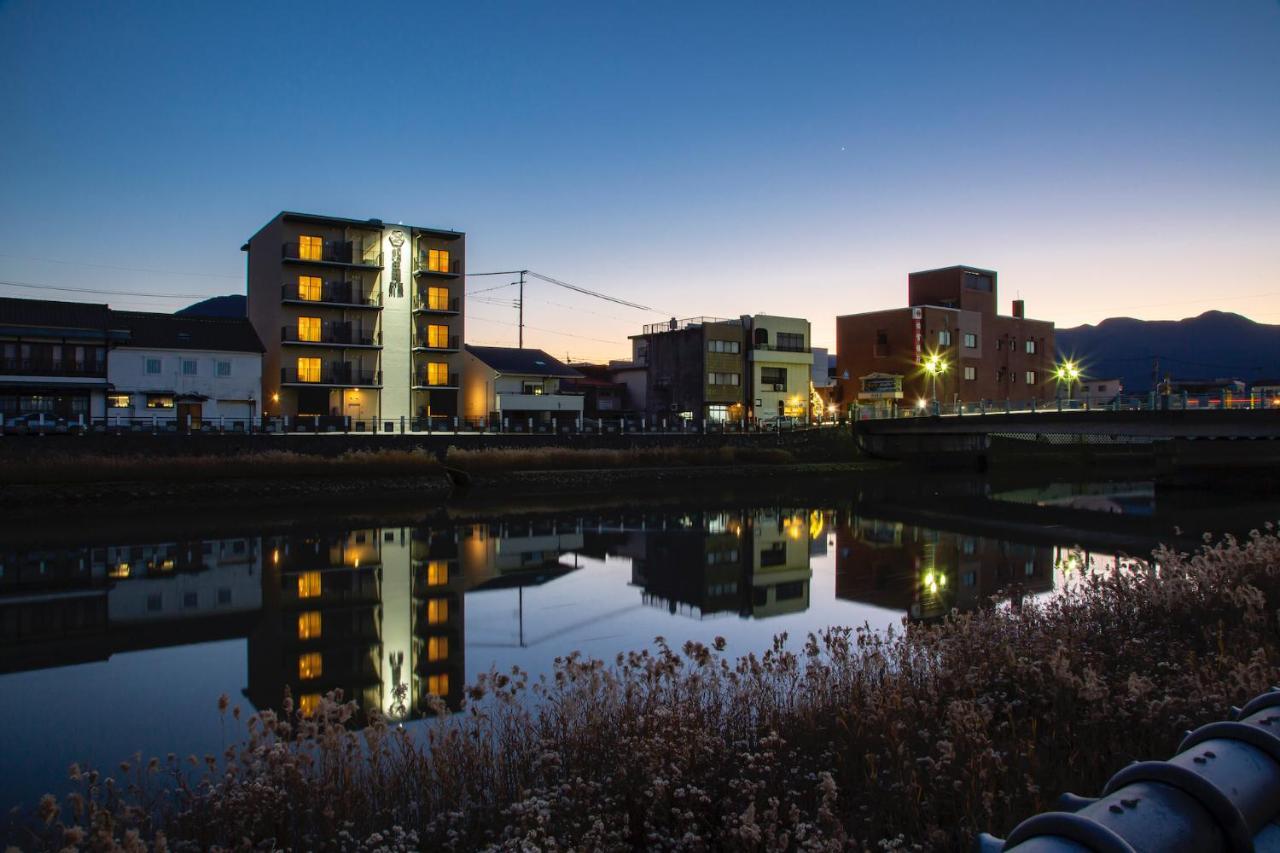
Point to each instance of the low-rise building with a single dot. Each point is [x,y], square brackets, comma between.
[603,395]
[53,358]
[188,370]
[518,386]
[950,323]
[781,363]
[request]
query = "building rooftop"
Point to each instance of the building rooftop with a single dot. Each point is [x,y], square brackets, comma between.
[370,224]
[168,331]
[528,362]
[45,312]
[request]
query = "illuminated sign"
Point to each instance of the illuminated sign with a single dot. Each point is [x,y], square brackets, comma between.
[396,287]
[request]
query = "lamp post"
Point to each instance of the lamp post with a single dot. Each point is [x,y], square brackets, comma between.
[933,366]
[1069,372]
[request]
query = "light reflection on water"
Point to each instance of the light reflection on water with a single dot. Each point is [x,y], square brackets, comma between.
[115,647]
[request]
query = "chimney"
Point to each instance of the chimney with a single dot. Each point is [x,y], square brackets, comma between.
[1019,308]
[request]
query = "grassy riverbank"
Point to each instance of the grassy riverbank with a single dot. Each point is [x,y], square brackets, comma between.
[844,739]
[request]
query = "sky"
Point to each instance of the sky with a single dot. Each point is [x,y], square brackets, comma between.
[1106,158]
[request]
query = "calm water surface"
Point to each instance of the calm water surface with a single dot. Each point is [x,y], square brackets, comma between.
[123,644]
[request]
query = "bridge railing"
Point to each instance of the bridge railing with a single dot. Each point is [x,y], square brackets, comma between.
[1120,403]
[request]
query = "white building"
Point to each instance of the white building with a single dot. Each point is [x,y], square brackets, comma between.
[175,368]
[517,386]
[781,363]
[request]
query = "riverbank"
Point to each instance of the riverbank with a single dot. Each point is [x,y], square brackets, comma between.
[846,739]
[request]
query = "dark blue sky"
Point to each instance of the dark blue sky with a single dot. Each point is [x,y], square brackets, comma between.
[1106,157]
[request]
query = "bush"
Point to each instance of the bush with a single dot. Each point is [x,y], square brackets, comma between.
[855,739]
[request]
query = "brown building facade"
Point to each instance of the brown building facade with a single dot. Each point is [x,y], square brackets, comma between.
[951,314]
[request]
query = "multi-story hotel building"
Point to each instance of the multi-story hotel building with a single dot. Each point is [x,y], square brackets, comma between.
[951,321]
[360,318]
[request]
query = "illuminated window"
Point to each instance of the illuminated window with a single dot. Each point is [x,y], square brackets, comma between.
[118,401]
[438,260]
[307,703]
[944,338]
[309,625]
[437,573]
[309,329]
[310,665]
[310,248]
[438,685]
[437,611]
[437,373]
[1031,346]
[309,287]
[308,370]
[437,648]
[438,298]
[970,373]
[309,585]
[1031,377]
[970,340]
[159,401]
[437,336]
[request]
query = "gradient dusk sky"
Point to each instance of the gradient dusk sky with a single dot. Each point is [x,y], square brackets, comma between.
[1106,157]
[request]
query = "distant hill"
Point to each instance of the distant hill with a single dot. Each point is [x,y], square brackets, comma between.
[218,306]
[1212,346]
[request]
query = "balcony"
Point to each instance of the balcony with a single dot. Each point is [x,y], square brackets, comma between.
[335,334]
[422,266]
[422,344]
[781,347]
[422,383]
[49,367]
[333,254]
[342,374]
[540,403]
[348,294]
[423,305]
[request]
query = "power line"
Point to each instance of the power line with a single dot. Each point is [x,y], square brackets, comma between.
[31,286]
[595,293]
[126,269]
[540,329]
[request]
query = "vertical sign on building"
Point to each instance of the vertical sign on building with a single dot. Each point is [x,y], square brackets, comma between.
[917,323]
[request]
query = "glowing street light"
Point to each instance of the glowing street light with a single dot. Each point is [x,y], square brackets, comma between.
[933,366]
[1068,372]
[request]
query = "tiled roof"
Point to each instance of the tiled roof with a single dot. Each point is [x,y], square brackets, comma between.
[167,331]
[527,362]
[44,312]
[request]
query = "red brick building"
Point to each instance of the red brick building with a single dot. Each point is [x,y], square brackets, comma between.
[951,313]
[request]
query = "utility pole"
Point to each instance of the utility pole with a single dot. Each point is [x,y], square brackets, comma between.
[521,304]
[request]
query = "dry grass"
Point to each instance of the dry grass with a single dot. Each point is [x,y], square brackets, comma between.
[851,740]
[562,459]
[264,465]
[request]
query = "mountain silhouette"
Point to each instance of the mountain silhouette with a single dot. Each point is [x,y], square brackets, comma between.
[1215,345]
[217,306]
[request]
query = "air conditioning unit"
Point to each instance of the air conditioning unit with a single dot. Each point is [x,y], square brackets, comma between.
[779,386]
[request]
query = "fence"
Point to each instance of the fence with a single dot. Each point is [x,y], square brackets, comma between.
[1135,403]
[1220,792]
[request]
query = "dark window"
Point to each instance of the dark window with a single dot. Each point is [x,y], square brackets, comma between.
[788,591]
[774,555]
[978,281]
[790,342]
[762,337]
[224,595]
[189,599]
[771,376]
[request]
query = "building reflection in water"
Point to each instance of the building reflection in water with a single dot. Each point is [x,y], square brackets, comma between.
[928,572]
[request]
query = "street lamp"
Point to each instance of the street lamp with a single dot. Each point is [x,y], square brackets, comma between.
[1068,372]
[933,366]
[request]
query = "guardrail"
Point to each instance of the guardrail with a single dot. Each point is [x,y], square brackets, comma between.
[1221,791]
[1135,403]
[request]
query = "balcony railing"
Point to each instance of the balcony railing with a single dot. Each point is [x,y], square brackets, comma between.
[41,367]
[334,293]
[421,380]
[443,306]
[422,266]
[422,342]
[781,347]
[338,335]
[332,374]
[332,253]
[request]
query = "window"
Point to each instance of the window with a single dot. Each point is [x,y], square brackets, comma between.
[437,648]
[310,248]
[437,573]
[718,414]
[978,281]
[773,376]
[1031,377]
[970,340]
[309,329]
[724,378]
[437,611]
[724,346]
[438,298]
[308,370]
[437,336]
[153,366]
[309,585]
[999,343]
[188,367]
[310,665]
[308,702]
[438,260]
[118,401]
[437,373]
[224,595]
[534,388]
[438,685]
[309,288]
[970,373]
[1031,345]
[190,599]
[790,342]
[224,368]
[309,625]
[159,401]
[944,337]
